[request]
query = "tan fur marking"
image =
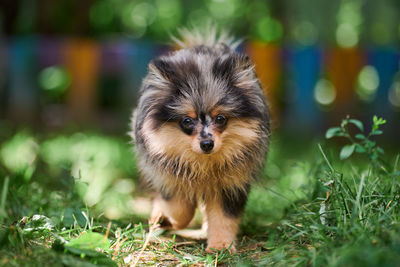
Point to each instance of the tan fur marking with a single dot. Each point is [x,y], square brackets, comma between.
[246,129]
[222,230]
[192,115]
[177,211]
[168,139]
[215,112]
[184,108]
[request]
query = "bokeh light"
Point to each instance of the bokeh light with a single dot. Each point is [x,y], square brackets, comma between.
[222,9]
[169,14]
[305,33]
[346,35]
[168,9]
[324,93]
[55,79]
[349,21]
[198,17]
[137,17]
[19,154]
[367,83]
[350,12]
[394,96]
[269,29]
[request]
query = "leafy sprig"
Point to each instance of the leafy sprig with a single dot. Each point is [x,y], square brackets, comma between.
[361,142]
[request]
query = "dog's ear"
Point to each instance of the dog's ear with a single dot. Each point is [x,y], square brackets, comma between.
[243,62]
[181,75]
[161,67]
[236,68]
[245,76]
[160,72]
[170,71]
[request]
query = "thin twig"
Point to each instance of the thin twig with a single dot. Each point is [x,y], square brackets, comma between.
[118,235]
[387,206]
[107,232]
[117,247]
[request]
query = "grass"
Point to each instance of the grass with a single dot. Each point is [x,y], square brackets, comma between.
[76,200]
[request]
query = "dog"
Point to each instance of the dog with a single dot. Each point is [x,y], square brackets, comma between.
[201,131]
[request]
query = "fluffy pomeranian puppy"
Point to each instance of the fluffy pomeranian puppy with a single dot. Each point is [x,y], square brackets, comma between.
[201,129]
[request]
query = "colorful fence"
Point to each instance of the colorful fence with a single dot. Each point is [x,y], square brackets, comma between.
[308,87]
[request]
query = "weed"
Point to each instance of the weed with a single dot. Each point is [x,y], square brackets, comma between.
[360,142]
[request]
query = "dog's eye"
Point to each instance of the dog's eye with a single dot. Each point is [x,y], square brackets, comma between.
[187,125]
[187,122]
[220,119]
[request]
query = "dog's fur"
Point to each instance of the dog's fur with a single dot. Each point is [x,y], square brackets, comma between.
[202,96]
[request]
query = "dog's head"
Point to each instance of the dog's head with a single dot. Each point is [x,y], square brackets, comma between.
[202,101]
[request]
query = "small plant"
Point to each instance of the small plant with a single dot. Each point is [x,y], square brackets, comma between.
[360,142]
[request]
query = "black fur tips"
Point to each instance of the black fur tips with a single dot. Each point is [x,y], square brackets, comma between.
[234,201]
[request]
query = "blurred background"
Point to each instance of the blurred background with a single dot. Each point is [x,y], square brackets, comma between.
[70,62]
[70,71]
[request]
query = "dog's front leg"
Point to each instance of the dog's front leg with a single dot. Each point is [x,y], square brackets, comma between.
[222,228]
[223,217]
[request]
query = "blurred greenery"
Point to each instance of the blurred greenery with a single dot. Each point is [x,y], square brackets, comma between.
[344,22]
[100,169]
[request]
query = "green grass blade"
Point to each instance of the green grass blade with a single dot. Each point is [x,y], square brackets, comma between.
[3,199]
[326,159]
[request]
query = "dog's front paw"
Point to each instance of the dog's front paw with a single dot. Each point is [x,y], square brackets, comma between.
[216,246]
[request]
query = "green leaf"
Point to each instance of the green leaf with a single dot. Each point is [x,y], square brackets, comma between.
[346,151]
[90,240]
[380,150]
[334,131]
[369,144]
[357,123]
[87,257]
[376,122]
[91,256]
[71,215]
[83,252]
[360,149]
[376,132]
[360,136]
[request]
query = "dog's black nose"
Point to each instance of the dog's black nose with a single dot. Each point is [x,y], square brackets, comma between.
[207,145]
